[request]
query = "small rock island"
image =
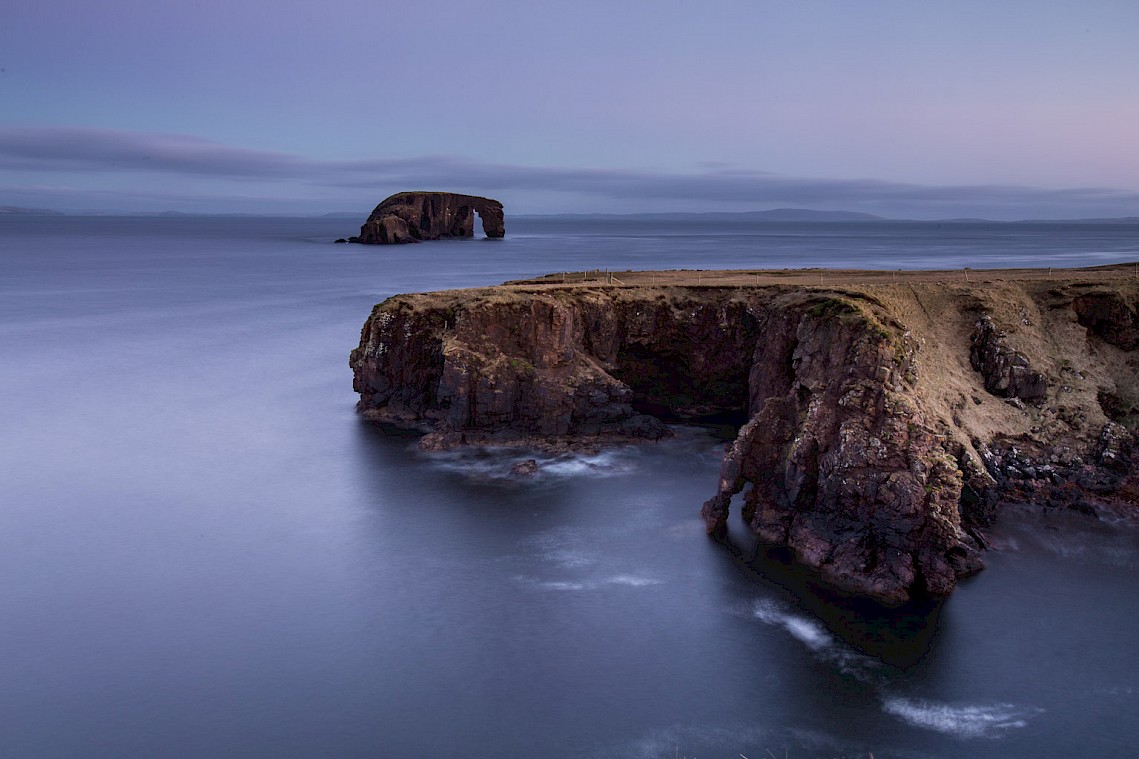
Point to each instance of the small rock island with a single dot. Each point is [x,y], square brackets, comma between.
[881,418]
[408,217]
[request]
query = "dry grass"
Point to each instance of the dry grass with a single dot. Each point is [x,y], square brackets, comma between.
[937,308]
[829,277]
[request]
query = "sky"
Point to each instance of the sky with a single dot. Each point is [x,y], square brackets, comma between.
[903,108]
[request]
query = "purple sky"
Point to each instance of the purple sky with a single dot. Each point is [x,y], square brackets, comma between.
[925,110]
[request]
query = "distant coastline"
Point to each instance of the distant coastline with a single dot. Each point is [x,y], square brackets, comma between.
[775,216]
[809,216]
[20,211]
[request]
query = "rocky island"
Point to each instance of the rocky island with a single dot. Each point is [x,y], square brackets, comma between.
[881,417]
[408,217]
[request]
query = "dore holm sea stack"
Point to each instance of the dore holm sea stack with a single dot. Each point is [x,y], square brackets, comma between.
[417,216]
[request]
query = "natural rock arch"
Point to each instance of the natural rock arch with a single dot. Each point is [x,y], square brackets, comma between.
[870,443]
[416,216]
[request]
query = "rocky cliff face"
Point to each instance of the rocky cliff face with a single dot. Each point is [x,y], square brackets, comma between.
[877,432]
[415,216]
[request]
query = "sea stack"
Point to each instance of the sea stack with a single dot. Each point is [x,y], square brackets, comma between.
[416,216]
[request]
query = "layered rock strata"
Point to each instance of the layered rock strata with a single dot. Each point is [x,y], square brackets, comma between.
[875,439]
[416,216]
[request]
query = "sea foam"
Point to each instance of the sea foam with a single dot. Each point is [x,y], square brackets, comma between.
[817,639]
[962,721]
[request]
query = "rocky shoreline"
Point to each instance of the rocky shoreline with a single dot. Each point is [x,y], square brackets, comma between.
[880,423]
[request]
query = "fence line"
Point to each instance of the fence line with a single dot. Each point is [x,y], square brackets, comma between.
[830,278]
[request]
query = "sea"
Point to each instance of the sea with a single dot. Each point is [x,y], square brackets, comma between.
[205,552]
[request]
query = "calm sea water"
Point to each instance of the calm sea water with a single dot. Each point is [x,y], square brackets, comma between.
[204,552]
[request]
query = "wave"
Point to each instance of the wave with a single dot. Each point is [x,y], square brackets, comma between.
[605,464]
[632,581]
[1109,550]
[961,721]
[493,464]
[817,639]
[966,721]
[628,581]
[728,740]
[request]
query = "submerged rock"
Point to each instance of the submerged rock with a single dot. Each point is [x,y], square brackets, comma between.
[527,468]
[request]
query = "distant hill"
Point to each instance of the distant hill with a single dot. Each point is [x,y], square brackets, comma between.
[1115,220]
[805,214]
[18,211]
[776,214]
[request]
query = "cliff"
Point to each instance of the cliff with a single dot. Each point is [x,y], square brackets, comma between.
[881,422]
[416,216]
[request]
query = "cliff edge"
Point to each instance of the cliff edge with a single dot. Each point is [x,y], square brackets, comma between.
[881,422]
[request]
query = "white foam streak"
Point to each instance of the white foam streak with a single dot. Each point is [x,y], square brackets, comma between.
[808,633]
[817,639]
[964,721]
[600,465]
[633,581]
[1090,549]
[494,464]
[563,585]
[968,721]
[628,581]
[559,585]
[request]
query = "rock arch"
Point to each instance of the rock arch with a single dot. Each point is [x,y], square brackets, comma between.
[416,216]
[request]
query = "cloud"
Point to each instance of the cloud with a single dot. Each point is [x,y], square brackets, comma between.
[88,151]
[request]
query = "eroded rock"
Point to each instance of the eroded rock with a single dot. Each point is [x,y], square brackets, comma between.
[1107,315]
[416,216]
[1006,370]
[846,451]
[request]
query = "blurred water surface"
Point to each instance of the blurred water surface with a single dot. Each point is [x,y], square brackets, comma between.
[204,552]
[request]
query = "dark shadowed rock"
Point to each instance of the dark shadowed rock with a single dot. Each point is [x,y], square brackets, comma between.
[1006,370]
[1107,315]
[415,216]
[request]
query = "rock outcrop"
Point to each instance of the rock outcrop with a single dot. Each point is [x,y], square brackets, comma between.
[1108,316]
[868,441]
[416,216]
[1005,369]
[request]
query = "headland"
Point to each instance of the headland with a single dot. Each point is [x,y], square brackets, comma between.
[882,416]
